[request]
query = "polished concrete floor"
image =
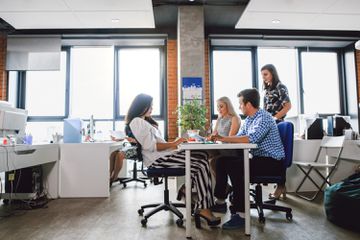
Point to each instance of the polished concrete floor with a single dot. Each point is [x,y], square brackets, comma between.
[116,218]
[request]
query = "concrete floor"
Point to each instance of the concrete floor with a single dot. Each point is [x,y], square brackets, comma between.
[117,218]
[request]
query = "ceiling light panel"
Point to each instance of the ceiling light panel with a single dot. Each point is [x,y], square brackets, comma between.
[72,14]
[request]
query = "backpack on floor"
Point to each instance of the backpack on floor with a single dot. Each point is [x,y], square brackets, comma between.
[342,203]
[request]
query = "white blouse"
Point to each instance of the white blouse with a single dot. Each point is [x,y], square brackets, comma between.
[147,135]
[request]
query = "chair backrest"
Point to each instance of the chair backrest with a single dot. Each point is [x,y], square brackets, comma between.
[333,142]
[334,145]
[129,133]
[286,130]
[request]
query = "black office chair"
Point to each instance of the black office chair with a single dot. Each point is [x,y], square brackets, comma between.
[286,130]
[166,205]
[135,160]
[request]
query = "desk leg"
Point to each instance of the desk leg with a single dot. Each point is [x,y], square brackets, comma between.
[188,193]
[247,195]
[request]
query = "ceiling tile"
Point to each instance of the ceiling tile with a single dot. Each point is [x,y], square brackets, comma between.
[307,6]
[32,5]
[113,5]
[128,19]
[35,20]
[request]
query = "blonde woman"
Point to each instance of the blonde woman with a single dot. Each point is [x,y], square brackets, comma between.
[228,122]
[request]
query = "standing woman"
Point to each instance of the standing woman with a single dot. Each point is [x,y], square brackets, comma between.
[158,153]
[277,103]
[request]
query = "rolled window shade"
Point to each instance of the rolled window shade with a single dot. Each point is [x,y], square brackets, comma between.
[33,53]
[357,45]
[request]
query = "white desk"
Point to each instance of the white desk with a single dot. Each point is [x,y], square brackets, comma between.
[23,156]
[188,148]
[84,169]
[306,150]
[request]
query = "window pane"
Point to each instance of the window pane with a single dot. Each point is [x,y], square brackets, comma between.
[45,91]
[139,72]
[320,82]
[13,87]
[232,72]
[91,82]
[286,65]
[43,131]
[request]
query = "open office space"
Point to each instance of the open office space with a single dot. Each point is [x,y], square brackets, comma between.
[71,72]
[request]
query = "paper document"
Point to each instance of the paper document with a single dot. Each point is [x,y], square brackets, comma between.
[118,134]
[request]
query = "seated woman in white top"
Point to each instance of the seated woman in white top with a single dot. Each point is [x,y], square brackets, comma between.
[158,153]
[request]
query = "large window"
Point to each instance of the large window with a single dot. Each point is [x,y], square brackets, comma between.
[133,81]
[312,76]
[231,72]
[320,77]
[92,82]
[45,91]
[285,61]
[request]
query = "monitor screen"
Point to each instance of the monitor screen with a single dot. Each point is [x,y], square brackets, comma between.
[72,130]
[315,129]
[337,124]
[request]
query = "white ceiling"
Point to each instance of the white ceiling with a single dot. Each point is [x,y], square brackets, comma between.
[72,14]
[301,15]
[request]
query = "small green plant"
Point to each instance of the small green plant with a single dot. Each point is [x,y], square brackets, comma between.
[192,115]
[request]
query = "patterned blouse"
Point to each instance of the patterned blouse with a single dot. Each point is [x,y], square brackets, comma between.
[275,99]
[224,126]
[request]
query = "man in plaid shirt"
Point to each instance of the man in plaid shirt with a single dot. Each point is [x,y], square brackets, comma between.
[259,128]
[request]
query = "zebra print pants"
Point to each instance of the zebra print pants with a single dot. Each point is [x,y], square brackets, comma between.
[200,174]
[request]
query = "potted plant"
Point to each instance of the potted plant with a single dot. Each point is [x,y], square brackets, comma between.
[192,116]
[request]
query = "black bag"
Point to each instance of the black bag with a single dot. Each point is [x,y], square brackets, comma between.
[342,203]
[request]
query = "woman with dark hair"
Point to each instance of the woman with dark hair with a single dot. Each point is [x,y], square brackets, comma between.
[158,153]
[277,103]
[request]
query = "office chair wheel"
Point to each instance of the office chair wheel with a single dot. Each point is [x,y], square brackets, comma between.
[289,216]
[145,185]
[143,222]
[179,222]
[124,184]
[261,218]
[6,201]
[141,211]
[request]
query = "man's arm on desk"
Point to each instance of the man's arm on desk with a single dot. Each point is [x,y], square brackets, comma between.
[230,139]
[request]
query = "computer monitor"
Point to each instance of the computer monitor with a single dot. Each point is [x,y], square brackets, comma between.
[315,129]
[337,124]
[72,130]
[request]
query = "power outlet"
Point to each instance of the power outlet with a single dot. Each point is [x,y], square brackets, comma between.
[11,176]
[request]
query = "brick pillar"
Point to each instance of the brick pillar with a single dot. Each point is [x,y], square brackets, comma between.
[207,82]
[172,88]
[3,82]
[358,72]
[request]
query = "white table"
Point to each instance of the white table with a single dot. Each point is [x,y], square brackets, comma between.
[84,169]
[188,147]
[23,156]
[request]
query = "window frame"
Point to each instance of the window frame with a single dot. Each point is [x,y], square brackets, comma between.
[162,84]
[254,71]
[341,78]
[21,79]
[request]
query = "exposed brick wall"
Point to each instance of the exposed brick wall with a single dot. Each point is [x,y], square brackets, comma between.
[207,81]
[3,82]
[358,72]
[172,88]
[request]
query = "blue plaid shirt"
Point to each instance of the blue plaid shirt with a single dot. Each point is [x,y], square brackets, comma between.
[262,130]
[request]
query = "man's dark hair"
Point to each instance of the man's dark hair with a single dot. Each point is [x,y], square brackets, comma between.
[250,95]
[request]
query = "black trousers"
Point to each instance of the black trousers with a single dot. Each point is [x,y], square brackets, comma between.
[233,167]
